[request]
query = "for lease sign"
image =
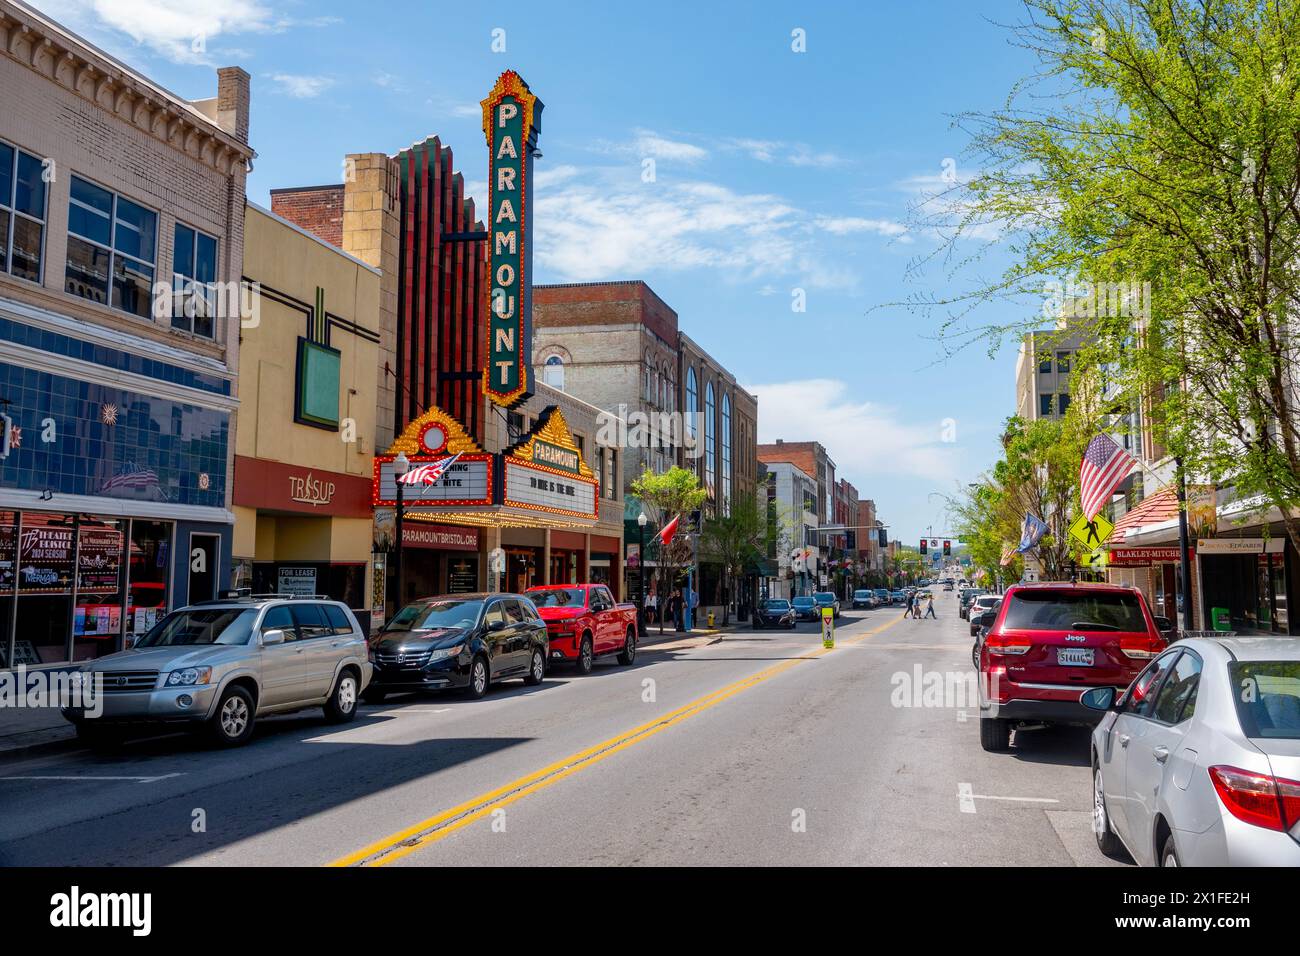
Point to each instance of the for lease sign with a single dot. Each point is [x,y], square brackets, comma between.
[510,123]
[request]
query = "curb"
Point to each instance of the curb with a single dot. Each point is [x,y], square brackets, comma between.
[36,748]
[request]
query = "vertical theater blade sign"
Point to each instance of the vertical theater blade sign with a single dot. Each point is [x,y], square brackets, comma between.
[511,115]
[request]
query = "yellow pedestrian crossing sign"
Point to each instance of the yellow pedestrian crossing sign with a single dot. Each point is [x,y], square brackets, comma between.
[1091,534]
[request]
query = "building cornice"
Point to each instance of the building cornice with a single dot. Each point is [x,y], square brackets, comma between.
[61,57]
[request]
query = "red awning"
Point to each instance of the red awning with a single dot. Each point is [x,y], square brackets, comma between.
[1153,509]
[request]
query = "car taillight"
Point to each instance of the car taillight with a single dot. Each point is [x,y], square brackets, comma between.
[1258,799]
[1140,646]
[1002,644]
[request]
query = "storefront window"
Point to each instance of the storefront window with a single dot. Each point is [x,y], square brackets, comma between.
[147,582]
[8,575]
[97,615]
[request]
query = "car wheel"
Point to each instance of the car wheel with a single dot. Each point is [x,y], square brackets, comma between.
[342,705]
[1107,842]
[586,657]
[374,695]
[536,669]
[627,656]
[975,654]
[995,734]
[478,677]
[232,724]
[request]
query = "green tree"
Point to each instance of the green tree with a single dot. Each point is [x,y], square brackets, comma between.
[675,493]
[1156,144]
[737,540]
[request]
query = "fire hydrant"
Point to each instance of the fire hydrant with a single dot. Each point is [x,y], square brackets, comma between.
[710,619]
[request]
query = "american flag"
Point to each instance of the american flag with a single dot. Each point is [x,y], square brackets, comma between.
[137,478]
[429,474]
[1104,466]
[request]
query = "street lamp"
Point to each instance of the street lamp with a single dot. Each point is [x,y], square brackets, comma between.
[640,564]
[401,465]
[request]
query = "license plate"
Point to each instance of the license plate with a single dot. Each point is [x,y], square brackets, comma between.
[1074,656]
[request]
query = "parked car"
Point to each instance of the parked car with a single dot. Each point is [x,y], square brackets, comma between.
[827,599]
[863,598]
[776,612]
[982,622]
[882,597]
[1197,763]
[964,600]
[985,602]
[219,665]
[583,622]
[898,597]
[805,608]
[461,641]
[1052,640]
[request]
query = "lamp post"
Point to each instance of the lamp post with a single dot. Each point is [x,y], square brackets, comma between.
[640,564]
[401,465]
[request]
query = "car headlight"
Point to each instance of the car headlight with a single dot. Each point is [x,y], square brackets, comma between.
[189,677]
[442,653]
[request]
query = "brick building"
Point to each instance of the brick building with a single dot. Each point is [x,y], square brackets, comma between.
[121,254]
[811,458]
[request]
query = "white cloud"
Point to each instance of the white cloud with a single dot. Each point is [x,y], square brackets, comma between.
[300,86]
[844,225]
[467,110]
[864,438]
[649,143]
[780,151]
[180,30]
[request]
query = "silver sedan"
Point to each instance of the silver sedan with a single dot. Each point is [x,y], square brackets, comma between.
[1197,763]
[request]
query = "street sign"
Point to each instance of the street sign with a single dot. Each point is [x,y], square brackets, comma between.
[1091,534]
[1097,559]
[828,627]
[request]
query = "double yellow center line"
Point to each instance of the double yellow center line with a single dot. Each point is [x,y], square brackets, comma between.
[435,828]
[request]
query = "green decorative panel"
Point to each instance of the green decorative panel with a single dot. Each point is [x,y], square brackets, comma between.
[317,390]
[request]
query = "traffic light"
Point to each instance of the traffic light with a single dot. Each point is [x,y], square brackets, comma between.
[947,549]
[923,546]
[884,539]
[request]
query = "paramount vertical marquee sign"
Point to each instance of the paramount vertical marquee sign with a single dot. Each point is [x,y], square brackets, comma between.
[511,116]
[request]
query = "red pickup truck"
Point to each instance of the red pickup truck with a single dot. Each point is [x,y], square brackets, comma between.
[583,622]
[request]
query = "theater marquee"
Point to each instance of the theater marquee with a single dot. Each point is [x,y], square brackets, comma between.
[511,115]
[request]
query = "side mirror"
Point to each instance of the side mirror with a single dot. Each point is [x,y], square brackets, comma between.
[273,636]
[496,625]
[1164,624]
[1098,698]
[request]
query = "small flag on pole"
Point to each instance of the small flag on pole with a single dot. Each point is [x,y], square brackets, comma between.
[1008,556]
[1104,466]
[429,474]
[666,533]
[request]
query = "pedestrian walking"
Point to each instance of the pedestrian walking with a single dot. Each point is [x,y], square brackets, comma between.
[911,599]
[929,606]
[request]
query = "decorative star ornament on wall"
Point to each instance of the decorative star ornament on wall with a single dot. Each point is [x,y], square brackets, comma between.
[108,413]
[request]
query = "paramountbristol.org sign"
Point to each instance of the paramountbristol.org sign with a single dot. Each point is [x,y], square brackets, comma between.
[511,123]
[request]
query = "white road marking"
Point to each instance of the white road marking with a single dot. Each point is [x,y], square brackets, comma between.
[984,796]
[965,798]
[399,711]
[165,776]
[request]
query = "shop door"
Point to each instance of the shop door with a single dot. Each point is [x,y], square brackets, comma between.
[205,560]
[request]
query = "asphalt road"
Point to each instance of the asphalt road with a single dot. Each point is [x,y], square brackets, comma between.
[760,748]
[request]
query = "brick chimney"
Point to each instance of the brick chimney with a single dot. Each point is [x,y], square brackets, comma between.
[232,101]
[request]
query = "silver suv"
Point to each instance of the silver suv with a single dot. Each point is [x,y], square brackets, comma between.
[219,665]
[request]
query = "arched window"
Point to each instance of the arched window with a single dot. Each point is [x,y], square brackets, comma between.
[553,372]
[692,402]
[726,454]
[710,435]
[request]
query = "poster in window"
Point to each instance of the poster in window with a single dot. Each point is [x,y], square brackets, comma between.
[45,560]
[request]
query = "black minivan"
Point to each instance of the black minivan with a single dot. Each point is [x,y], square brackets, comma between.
[463,641]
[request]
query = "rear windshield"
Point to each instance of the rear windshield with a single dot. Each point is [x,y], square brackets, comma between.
[559,597]
[1074,611]
[1268,698]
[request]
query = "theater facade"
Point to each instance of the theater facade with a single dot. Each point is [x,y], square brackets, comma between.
[532,498]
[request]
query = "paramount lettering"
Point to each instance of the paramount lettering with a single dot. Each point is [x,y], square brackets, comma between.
[510,123]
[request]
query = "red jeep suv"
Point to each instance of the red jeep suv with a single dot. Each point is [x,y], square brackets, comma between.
[1052,641]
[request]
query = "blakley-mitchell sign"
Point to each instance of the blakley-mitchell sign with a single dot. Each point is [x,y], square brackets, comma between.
[511,122]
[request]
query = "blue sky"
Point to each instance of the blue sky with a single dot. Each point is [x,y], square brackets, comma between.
[774,171]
